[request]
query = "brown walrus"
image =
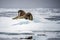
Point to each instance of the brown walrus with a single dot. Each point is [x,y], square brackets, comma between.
[22,14]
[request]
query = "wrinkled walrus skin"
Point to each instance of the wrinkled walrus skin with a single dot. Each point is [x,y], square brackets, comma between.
[23,15]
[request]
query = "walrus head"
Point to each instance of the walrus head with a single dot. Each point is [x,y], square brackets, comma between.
[21,13]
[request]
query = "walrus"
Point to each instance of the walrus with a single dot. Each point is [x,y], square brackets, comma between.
[22,14]
[29,16]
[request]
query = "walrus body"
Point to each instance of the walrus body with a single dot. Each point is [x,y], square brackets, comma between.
[22,14]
